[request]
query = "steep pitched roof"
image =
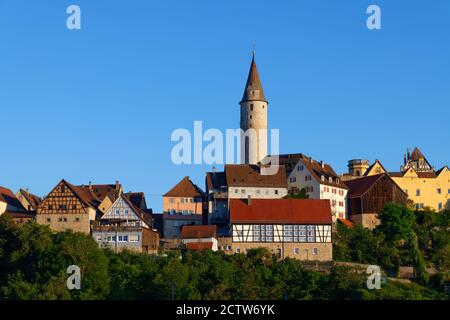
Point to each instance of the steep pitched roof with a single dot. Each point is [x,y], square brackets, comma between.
[198,232]
[253,88]
[358,187]
[185,188]
[417,154]
[373,165]
[215,180]
[32,199]
[137,198]
[8,197]
[248,175]
[441,170]
[318,170]
[295,211]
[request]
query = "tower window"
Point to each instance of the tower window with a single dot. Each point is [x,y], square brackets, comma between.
[251,117]
[251,107]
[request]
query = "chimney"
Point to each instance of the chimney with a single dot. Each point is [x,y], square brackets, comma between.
[90,185]
[404,159]
[407,153]
[249,200]
[322,164]
[117,185]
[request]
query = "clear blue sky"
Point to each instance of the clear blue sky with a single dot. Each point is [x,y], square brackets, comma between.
[99,104]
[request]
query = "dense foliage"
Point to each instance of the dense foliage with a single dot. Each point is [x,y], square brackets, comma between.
[419,239]
[33,263]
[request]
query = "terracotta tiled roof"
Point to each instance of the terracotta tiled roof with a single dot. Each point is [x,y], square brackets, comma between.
[185,188]
[426,175]
[198,232]
[253,88]
[199,246]
[346,222]
[317,169]
[245,175]
[8,197]
[285,211]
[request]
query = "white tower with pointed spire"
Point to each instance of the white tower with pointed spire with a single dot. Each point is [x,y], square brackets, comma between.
[253,116]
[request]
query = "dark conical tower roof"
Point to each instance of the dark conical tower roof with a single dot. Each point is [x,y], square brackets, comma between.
[253,88]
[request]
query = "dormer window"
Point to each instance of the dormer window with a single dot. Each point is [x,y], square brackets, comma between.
[330,179]
[322,177]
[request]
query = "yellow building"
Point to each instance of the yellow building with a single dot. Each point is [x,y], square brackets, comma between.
[424,186]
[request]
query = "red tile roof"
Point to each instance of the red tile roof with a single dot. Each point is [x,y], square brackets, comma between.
[346,222]
[199,245]
[198,232]
[283,211]
[185,188]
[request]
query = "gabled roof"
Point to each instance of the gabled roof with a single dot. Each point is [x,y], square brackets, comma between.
[185,188]
[282,211]
[358,187]
[198,232]
[253,88]
[137,199]
[373,165]
[91,195]
[8,197]
[416,154]
[141,214]
[249,175]
[441,170]
[32,199]
[215,180]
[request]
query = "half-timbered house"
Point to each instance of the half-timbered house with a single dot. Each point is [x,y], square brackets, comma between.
[295,228]
[75,207]
[125,226]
